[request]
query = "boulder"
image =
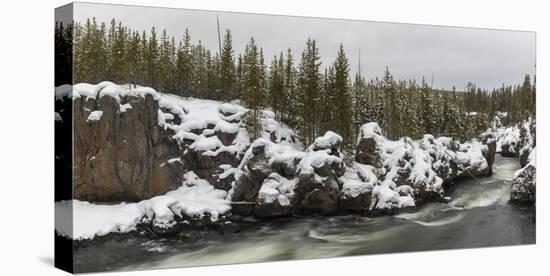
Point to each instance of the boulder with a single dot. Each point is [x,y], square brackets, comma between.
[317,195]
[367,147]
[356,192]
[207,166]
[527,140]
[489,138]
[524,186]
[318,188]
[489,155]
[509,149]
[281,180]
[276,197]
[248,181]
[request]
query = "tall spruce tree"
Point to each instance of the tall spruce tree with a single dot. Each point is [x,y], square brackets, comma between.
[184,65]
[165,63]
[342,99]
[133,58]
[252,94]
[309,83]
[389,95]
[276,86]
[152,56]
[327,97]
[289,106]
[227,70]
[360,102]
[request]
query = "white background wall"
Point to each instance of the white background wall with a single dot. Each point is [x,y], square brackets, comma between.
[26,133]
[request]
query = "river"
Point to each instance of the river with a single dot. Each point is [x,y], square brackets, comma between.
[478,215]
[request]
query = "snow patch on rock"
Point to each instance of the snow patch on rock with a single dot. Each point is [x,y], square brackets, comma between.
[277,188]
[95,115]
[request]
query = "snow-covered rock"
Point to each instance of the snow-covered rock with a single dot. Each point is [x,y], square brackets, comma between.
[121,142]
[472,159]
[301,181]
[524,183]
[514,140]
[193,200]
[527,140]
[358,183]
[508,141]
[319,172]
[275,196]
[411,172]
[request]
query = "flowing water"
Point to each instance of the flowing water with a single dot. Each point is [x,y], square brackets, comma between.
[478,215]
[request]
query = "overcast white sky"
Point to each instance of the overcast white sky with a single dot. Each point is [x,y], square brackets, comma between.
[453,55]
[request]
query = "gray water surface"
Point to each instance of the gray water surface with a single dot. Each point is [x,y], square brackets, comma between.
[478,215]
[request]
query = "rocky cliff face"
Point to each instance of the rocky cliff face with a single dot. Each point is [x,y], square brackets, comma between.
[121,153]
[133,143]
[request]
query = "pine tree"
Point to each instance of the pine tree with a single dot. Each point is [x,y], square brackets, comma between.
[110,42]
[119,64]
[143,66]
[164,64]
[184,65]
[239,77]
[133,58]
[199,75]
[252,94]
[308,89]
[342,99]
[390,107]
[376,100]
[401,109]
[63,51]
[264,91]
[360,102]
[227,70]
[276,86]
[289,106]
[327,95]
[412,111]
[525,98]
[212,76]
[152,56]
[426,108]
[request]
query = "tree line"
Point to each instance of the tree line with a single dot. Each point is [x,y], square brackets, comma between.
[300,91]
